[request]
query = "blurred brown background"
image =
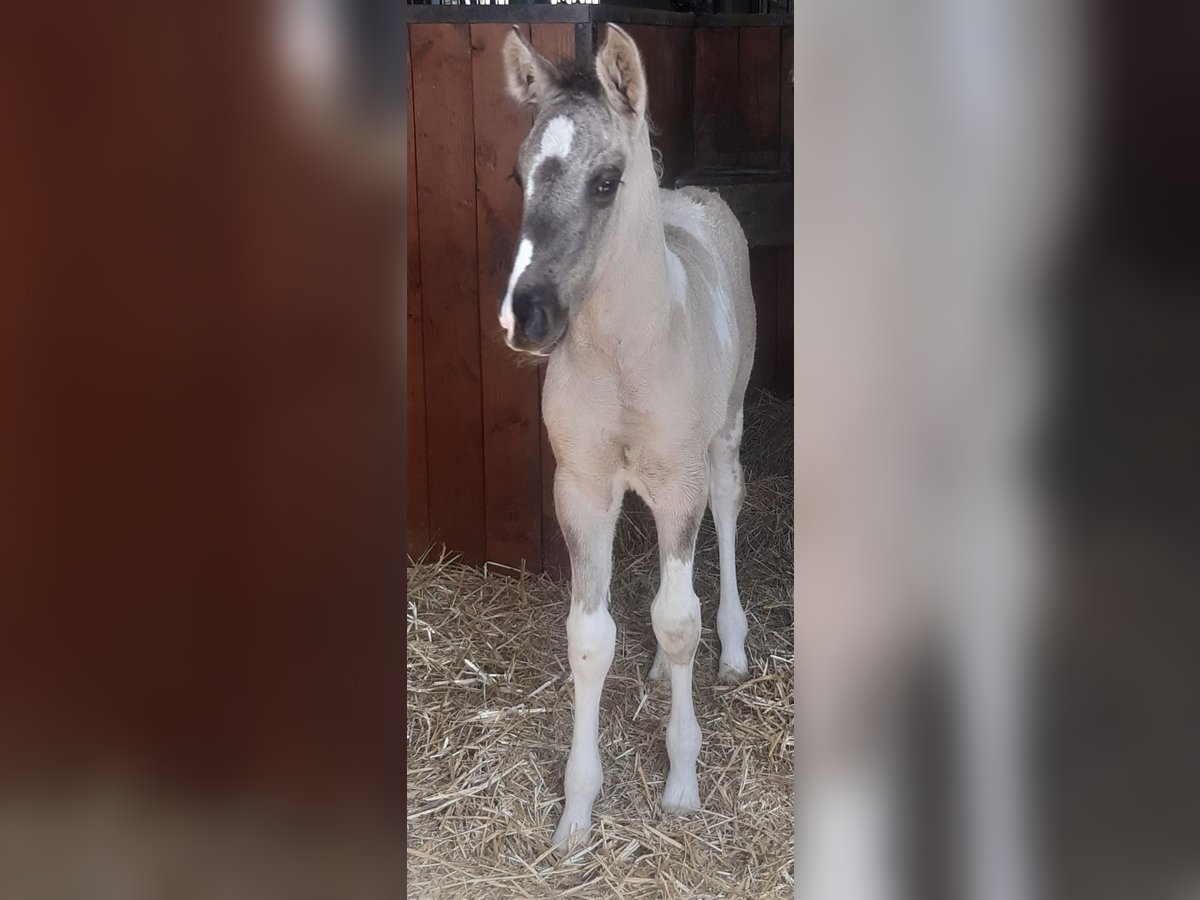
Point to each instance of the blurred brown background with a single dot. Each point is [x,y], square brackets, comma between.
[202,407]
[1121,693]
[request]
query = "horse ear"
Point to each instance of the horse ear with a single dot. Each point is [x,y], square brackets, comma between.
[619,68]
[528,74]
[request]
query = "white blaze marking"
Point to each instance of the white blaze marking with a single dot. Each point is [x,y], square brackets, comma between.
[524,255]
[556,142]
[556,139]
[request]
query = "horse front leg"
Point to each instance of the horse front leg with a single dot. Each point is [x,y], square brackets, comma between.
[588,519]
[675,614]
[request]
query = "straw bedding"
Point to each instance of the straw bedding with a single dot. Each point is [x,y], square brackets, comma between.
[489,719]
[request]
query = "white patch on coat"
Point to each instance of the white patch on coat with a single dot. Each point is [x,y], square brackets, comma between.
[556,142]
[722,315]
[682,211]
[677,282]
[524,255]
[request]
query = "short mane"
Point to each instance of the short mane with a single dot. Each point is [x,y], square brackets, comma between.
[578,79]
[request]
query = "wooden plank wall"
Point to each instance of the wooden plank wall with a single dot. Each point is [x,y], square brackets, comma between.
[511,431]
[418,465]
[483,474]
[668,54]
[737,108]
[558,44]
[445,158]
[481,471]
[742,118]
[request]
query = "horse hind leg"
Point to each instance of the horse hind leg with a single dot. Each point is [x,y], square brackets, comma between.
[727,490]
[675,614]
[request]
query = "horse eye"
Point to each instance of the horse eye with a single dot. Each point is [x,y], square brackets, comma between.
[606,187]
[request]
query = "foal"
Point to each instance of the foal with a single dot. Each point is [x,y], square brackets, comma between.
[640,297]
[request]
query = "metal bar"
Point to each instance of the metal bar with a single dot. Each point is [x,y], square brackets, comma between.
[589,13]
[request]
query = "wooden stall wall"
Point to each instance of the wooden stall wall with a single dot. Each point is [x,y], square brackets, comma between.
[478,455]
[481,471]
[742,121]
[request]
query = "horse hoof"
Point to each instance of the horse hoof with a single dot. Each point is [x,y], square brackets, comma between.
[682,796]
[731,675]
[570,836]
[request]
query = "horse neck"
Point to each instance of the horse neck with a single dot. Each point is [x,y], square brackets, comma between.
[630,305]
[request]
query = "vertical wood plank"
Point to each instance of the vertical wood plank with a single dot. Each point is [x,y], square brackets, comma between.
[715,97]
[667,54]
[785,354]
[554,40]
[787,96]
[758,97]
[445,145]
[511,410]
[763,279]
[683,149]
[417,512]
[558,43]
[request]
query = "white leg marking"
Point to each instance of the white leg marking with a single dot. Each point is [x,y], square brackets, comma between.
[676,617]
[524,255]
[591,638]
[677,282]
[726,491]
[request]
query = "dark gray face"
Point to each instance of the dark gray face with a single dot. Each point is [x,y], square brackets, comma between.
[570,169]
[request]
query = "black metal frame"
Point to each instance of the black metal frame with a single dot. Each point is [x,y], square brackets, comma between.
[588,13]
[685,7]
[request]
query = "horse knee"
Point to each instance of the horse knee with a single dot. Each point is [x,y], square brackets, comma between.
[727,486]
[591,639]
[675,613]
